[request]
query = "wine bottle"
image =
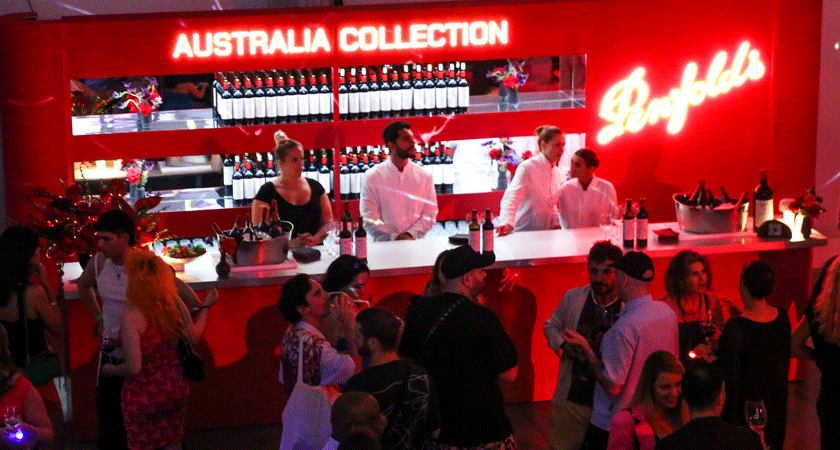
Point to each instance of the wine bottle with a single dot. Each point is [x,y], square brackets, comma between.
[303,100]
[226,105]
[344,177]
[475,232]
[463,90]
[373,96]
[629,220]
[642,225]
[448,172]
[724,197]
[238,104]
[353,95]
[361,241]
[451,90]
[355,179]
[259,174]
[440,91]
[429,99]
[259,102]
[396,95]
[227,176]
[385,94]
[364,95]
[249,103]
[437,169]
[237,184]
[325,99]
[249,231]
[487,232]
[264,226]
[270,99]
[249,182]
[763,198]
[324,176]
[406,93]
[270,173]
[314,99]
[697,197]
[291,101]
[345,237]
[275,226]
[310,170]
[281,100]
[343,96]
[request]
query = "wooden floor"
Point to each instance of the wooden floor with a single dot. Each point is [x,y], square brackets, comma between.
[531,424]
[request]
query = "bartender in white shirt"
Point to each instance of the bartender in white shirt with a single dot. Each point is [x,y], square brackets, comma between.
[398,198]
[585,198]
[530,202]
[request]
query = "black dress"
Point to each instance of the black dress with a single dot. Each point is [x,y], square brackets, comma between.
[827,356]
[307,217]
[17,340]
[691,333]
[755,358]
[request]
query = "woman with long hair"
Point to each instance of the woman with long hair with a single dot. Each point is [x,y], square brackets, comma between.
[301,201]
[26,420]
[435,284]
[822,323]
[657,408]
[347,274]
[688,283]
[154,394]
[19,263]
[530,202]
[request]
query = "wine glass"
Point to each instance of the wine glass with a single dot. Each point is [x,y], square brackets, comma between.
[756,415]
[12,422]
[333,229]
[605,221]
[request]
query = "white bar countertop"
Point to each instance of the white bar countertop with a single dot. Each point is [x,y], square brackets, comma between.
[522,249]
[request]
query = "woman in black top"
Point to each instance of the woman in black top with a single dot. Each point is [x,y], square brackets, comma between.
[754,354]
[822,323]
[19,262]
[301,201]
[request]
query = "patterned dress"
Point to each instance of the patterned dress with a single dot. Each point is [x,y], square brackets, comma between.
[154,402]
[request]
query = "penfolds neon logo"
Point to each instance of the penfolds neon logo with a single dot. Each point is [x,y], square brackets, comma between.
[627,107]
[351,39]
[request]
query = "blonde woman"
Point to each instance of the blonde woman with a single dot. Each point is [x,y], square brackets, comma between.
[657,408]
[154,394]
[822,323]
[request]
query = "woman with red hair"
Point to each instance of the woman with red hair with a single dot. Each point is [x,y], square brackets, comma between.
[154,395]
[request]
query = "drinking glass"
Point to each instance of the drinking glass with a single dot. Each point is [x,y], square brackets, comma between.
[605,221]
[333,228]
[756,415]
[12,422]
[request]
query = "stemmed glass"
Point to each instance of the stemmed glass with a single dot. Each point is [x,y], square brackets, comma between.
[605,221]
[756,415]
[12,422]
[333,229]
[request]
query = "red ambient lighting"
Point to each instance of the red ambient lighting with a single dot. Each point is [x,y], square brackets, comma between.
[626,104]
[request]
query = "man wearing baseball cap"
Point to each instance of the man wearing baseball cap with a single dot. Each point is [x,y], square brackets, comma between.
[644,326]
[466,351]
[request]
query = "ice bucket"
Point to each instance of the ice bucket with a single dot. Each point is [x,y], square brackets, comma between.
[270,251]
[710,221]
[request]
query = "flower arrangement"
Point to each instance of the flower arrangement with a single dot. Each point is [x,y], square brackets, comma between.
[144,98]
[808,205]
[65,221]
[136,171]
[501,150]
[510,75]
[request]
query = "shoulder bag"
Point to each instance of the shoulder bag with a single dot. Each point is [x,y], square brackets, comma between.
[306,417]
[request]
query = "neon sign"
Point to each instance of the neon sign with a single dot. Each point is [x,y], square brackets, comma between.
[626,104]
[351,39]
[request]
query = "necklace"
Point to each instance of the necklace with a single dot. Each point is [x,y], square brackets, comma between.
[690,313]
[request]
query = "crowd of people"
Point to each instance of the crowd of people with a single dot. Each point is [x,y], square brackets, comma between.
[634,372]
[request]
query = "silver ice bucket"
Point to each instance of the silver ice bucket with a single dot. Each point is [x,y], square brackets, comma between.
[270,251]
[710,221]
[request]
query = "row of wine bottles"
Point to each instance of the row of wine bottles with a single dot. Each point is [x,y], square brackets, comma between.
[279,96]
[635,225]
[762,196]
[243,177]
[481,236]
[352,242]
[365,93]
[270,227]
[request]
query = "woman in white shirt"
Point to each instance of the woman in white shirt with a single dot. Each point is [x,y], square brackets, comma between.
[585,198]
[530,202]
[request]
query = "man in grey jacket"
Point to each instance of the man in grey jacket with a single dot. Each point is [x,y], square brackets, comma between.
[591,310]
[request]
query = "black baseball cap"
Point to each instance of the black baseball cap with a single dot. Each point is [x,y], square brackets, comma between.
[460,260]
[635,264]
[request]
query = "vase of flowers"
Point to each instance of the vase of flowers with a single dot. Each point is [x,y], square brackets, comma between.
[227,245]
[809,207]
[140,97]
[509,78]
[505,158]
[137,174]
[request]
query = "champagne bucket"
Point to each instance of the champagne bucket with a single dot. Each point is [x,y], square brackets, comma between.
[271,251]
[710,221]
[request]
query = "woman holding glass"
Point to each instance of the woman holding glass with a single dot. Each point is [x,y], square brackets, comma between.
[822,323]
[657,408]
[301,201]
[155,391]
[754,354]
[688,281]
[347,274]
[530,202]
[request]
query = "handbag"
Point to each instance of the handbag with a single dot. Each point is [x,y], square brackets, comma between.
[43,366]
[190,360]
[306,417]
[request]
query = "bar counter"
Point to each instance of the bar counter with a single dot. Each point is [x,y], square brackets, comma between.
[532,272]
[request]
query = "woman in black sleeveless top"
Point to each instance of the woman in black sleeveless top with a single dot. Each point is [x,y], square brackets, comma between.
[19,263]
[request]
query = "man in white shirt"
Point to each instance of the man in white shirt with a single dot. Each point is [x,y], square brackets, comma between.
[585,199]
[398,200]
